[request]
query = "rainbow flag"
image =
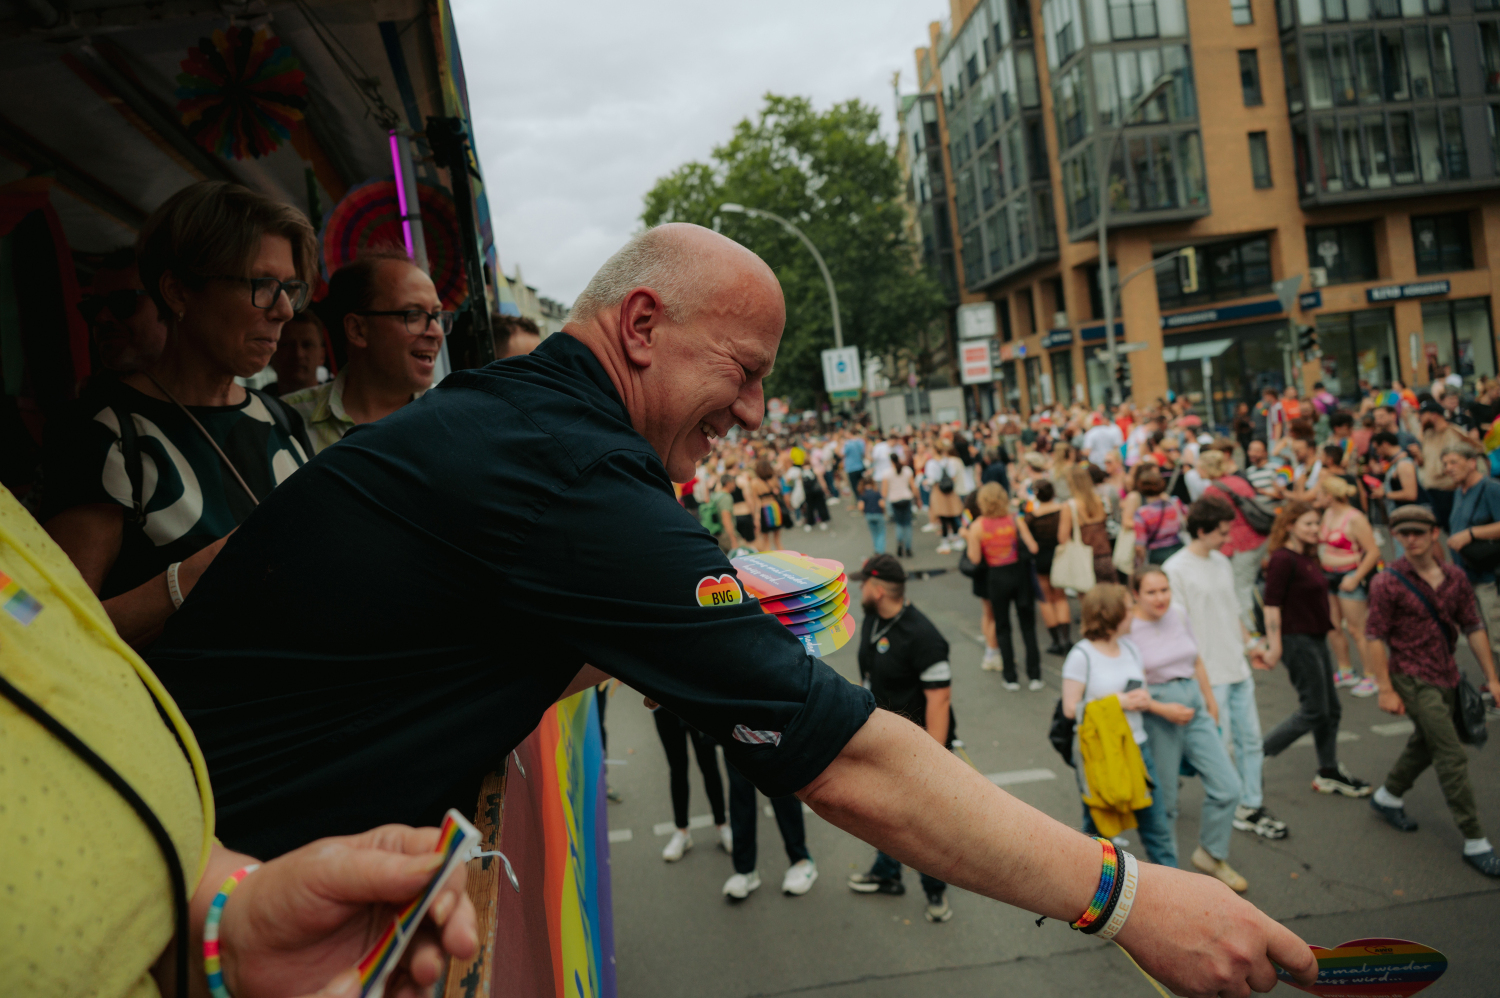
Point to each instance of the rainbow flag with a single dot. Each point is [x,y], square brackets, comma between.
[556,937]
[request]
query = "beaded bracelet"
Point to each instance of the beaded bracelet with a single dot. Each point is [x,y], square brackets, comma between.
[211,965]
[1124,898]
[1099,909]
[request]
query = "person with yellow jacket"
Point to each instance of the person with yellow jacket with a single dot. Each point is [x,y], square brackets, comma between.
[107,845]
[1104,690]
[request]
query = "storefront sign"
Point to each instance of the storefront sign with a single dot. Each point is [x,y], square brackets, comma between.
[1313,299]
[1208,316]
[974,362]
[1057,338]
[1422,289]
[977,321]
[1091,333]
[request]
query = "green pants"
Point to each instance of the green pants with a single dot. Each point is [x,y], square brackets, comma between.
[1435,743]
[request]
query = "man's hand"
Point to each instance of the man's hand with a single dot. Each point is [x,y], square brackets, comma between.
[307,916]
[1266,660]
[1460,540]
[1201,939]
[1391,702]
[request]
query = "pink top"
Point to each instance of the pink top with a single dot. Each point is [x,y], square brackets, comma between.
[1241,537]
[1168,650]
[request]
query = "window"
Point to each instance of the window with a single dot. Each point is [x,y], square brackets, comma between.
[1292,69]
[1455,154]
[1036,149]
[1046,228]
[1441,243]
[997,239]
[1078,190]
[1358,346]
[1494,122]
[1096,296]
[973,257]
[963,198]
[1250,78]
[1346,251]
[1026,82]
[1055,290]
[1319,88]
[1068,101]
[1442,62]
[1034,382]
[1236,268]
[1063,34]
[989,178]
[1457,335]
[1022,214]
[1062,375]
[1260,160]
[1132,19]
[1157,172]
[1240,13]
[1024,319]
[1393,64]
[1489,43]
[1003,307]
[1429,146]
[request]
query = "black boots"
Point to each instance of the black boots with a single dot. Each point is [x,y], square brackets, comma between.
[1062,640]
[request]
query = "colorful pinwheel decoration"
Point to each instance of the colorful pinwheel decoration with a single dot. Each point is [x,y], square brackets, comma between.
[240,92]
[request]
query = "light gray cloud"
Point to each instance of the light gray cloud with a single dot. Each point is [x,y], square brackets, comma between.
[579,107]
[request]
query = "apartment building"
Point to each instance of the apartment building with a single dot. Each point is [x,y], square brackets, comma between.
[1351,142]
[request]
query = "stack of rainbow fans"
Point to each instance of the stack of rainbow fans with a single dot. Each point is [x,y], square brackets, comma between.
[810,596]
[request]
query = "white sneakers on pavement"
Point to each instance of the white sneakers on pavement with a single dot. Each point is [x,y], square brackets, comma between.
[799,877]
[1035,684]
[740,885]
[1012,686]
[680,843]
[726,839]
[991,660]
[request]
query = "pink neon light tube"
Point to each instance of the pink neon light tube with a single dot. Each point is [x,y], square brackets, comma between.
[411,249]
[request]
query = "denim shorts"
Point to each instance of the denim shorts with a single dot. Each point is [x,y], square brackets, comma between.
[1361,593]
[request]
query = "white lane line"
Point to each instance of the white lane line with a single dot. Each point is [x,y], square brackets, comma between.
[1020,776]
[1306,741]
[1394,729]
[621,835]
[696,821]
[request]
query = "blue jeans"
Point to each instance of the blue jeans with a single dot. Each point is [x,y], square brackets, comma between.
[1200,743]
[877,530]
[1156,835]
[901,515]
[888,869]
[1239,722]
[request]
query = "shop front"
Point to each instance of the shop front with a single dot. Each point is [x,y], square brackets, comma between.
[1359,352]
[1216,369]
[1457,340]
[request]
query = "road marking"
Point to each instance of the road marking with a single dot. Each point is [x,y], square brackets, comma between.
[1306,741]
[1020,776]
[696,821]
[1394,728]
[621,835]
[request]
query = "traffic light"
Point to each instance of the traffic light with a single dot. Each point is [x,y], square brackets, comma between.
[1122,377]
[1307,340]
[1187,270]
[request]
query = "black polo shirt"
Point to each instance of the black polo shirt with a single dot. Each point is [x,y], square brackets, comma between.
[900,659]
[398,615]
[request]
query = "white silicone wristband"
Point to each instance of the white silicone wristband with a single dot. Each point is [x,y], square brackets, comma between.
[173,589]
[1116,922]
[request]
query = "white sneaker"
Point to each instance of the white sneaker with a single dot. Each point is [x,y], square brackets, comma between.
[1012,686]
[799,877]
[943,548]
[834,500]
[929,529]
[823,526]
[991,660]
[807,527]
[681,842]
[1034,685]
[726,839]
[740,885]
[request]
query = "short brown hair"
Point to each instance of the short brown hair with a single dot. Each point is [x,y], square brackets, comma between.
[214,228]
[992,500]
[1104,607]
[352,286]
[1148,482]
[506,327]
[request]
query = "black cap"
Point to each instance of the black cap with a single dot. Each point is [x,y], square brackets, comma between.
[884,567]
[1432,405]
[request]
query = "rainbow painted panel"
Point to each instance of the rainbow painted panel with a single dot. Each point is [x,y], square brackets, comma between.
[17,602]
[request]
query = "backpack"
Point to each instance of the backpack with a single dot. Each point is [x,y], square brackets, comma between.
[945,484]
[1259,512]
[130,445]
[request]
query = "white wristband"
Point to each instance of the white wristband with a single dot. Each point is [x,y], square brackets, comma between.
[173,589]
[1127,897]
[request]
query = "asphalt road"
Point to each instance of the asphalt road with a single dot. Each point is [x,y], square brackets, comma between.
[1342,873]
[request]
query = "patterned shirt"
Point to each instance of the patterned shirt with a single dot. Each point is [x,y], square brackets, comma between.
[1419,647]
[998,540]
[1159,522]
[322,408]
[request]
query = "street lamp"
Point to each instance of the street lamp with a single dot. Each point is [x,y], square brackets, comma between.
[833,296]
[1162,82]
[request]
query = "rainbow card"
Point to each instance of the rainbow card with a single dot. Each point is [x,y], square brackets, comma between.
[1373,968]
[806,601]
[457,839]
[838,604]
[17,602]
[775,574]
[829,639]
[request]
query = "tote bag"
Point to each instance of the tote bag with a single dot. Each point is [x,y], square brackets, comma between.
[1073,563]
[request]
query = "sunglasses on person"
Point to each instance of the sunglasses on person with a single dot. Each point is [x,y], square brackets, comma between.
[265,291]
[1413,531]
[121,304]
[417,320]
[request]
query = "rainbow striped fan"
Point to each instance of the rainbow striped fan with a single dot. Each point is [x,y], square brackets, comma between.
[240,92]
[369,215]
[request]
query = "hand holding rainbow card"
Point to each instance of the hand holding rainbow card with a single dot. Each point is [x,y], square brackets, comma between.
[1373,968]
[457,841]
[809,596]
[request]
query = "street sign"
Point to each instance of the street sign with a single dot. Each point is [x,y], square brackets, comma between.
[1121,348]
[841,371]
[974,363]
[977,321]
[1286,290]
[850,396]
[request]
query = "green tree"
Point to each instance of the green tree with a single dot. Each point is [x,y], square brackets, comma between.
[837,179]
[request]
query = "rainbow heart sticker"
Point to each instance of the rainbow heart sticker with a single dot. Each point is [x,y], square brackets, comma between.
[1373,968]
[719,590]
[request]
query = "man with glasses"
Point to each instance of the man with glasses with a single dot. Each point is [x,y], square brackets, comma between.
[387,311]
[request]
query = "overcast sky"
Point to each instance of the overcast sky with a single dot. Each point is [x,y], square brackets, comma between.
[580,106]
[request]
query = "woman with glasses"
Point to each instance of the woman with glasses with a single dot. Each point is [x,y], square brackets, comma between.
[146,477]
[387,320]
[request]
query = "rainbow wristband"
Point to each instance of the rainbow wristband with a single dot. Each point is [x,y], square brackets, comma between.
[1091,920]
[211,966]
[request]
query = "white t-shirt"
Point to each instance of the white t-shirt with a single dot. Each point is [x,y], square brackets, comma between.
[1103,677]
[880,461]
[1195,483]
[1101,441]
[1204,587]
[900,488]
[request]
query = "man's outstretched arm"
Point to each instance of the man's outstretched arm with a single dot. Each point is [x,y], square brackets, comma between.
[897,789]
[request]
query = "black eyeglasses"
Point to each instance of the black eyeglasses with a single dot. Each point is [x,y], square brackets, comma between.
[121,304]
[418,320]
[265,291]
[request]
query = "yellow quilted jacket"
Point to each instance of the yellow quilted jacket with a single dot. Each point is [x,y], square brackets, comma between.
[1113,770]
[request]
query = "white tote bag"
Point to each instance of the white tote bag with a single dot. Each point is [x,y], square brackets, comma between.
[1073,562]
